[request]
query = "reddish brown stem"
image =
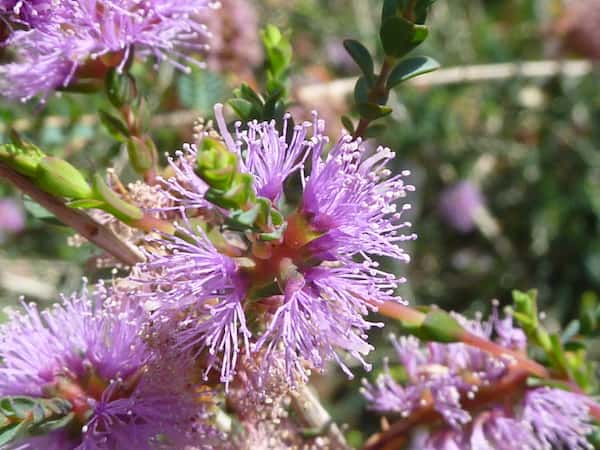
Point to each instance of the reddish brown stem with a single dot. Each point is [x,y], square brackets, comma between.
[396,435]
[521,360]
[378,91]
[80,222]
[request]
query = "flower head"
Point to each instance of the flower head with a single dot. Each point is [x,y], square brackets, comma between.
[456,382]
[272,275]
[459,205]
[56,44]
[94,358]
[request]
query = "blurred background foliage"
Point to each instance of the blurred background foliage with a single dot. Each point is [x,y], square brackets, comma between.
[528,148]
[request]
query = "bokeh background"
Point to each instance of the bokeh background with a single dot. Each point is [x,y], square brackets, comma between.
[507,170]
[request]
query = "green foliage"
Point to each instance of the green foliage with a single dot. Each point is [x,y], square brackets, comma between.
[22,417]
[409,68]
[361,57]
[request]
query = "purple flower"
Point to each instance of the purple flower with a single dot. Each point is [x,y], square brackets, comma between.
[351,199]
[305,294]
[12,216]
[459,205]
[87,36]
[192,276]
[448,376]
[94,358]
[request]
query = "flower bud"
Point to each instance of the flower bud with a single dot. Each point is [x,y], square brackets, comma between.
[142,153]
[216,165]
[58,177]
[120,88]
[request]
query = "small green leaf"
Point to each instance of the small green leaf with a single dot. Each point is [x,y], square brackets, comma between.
[410,68]
[390,9]
[396,36]
[361,90]
[348,125]
[372,111]
[399,36]
[361,57]
[115,126]
[114,204]
[87,203]
[243,108]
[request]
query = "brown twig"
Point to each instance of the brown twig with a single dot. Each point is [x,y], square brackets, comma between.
[79,221]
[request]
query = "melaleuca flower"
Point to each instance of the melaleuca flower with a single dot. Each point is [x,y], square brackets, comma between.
[53,46]
[460,204]
[468,388]
[94,358]
[254,270]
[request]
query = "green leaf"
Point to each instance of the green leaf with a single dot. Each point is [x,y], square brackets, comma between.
[88,203]
[12,432]
[372,111]
[410,68]
[570,331]
[361,57]
[114,204]
[348,125]
[399,36]
[243,108]
[588,312]
[390,9]
[115,126]
[361,90]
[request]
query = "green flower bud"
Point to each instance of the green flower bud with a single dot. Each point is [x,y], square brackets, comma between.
[216,165]
[120,88]
[142,153]
[58,177]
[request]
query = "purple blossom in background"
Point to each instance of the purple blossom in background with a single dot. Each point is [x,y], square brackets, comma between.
[448,374]
[12,217]
[95,358]
[235,44]
[87,36]
[459,205]
[319,280]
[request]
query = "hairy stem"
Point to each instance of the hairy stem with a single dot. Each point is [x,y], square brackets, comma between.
[307,405]
[79,221]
